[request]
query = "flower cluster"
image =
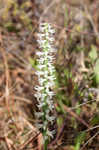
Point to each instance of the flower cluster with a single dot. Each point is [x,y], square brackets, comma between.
[46,77]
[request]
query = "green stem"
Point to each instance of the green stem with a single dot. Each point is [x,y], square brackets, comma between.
[45,144]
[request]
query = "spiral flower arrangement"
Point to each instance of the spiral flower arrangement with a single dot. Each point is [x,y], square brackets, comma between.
[46,77]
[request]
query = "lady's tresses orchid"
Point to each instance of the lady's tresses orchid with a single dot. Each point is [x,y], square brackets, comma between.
[46,77]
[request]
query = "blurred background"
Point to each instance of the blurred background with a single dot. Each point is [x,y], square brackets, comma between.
[77,73]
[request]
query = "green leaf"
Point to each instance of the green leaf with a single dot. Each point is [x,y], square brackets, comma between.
[95,120]
[96,68]
[80,138]
[33,62]
[78,110]
[93,53]
[96,71]
[60,121]
[77,146]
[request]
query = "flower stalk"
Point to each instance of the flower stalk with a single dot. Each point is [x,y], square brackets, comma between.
[46,77]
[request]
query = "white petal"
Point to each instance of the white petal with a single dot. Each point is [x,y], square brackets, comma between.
[39,125]
[39,73]
[49,133]
[39,88]
[39,114]
[50,118]
[39,53]
[41,105]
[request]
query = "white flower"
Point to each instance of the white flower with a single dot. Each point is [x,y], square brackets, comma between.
[50,118]
[51,39]
[39,73]
[50,133]
[39,114]
[40,35]
[41,66]
[39,54]
[39,88]
[41,105]
[38,95]
[39,125]
[41,81]
[46,78]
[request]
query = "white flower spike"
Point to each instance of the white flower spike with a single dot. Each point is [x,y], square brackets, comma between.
[46,77]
